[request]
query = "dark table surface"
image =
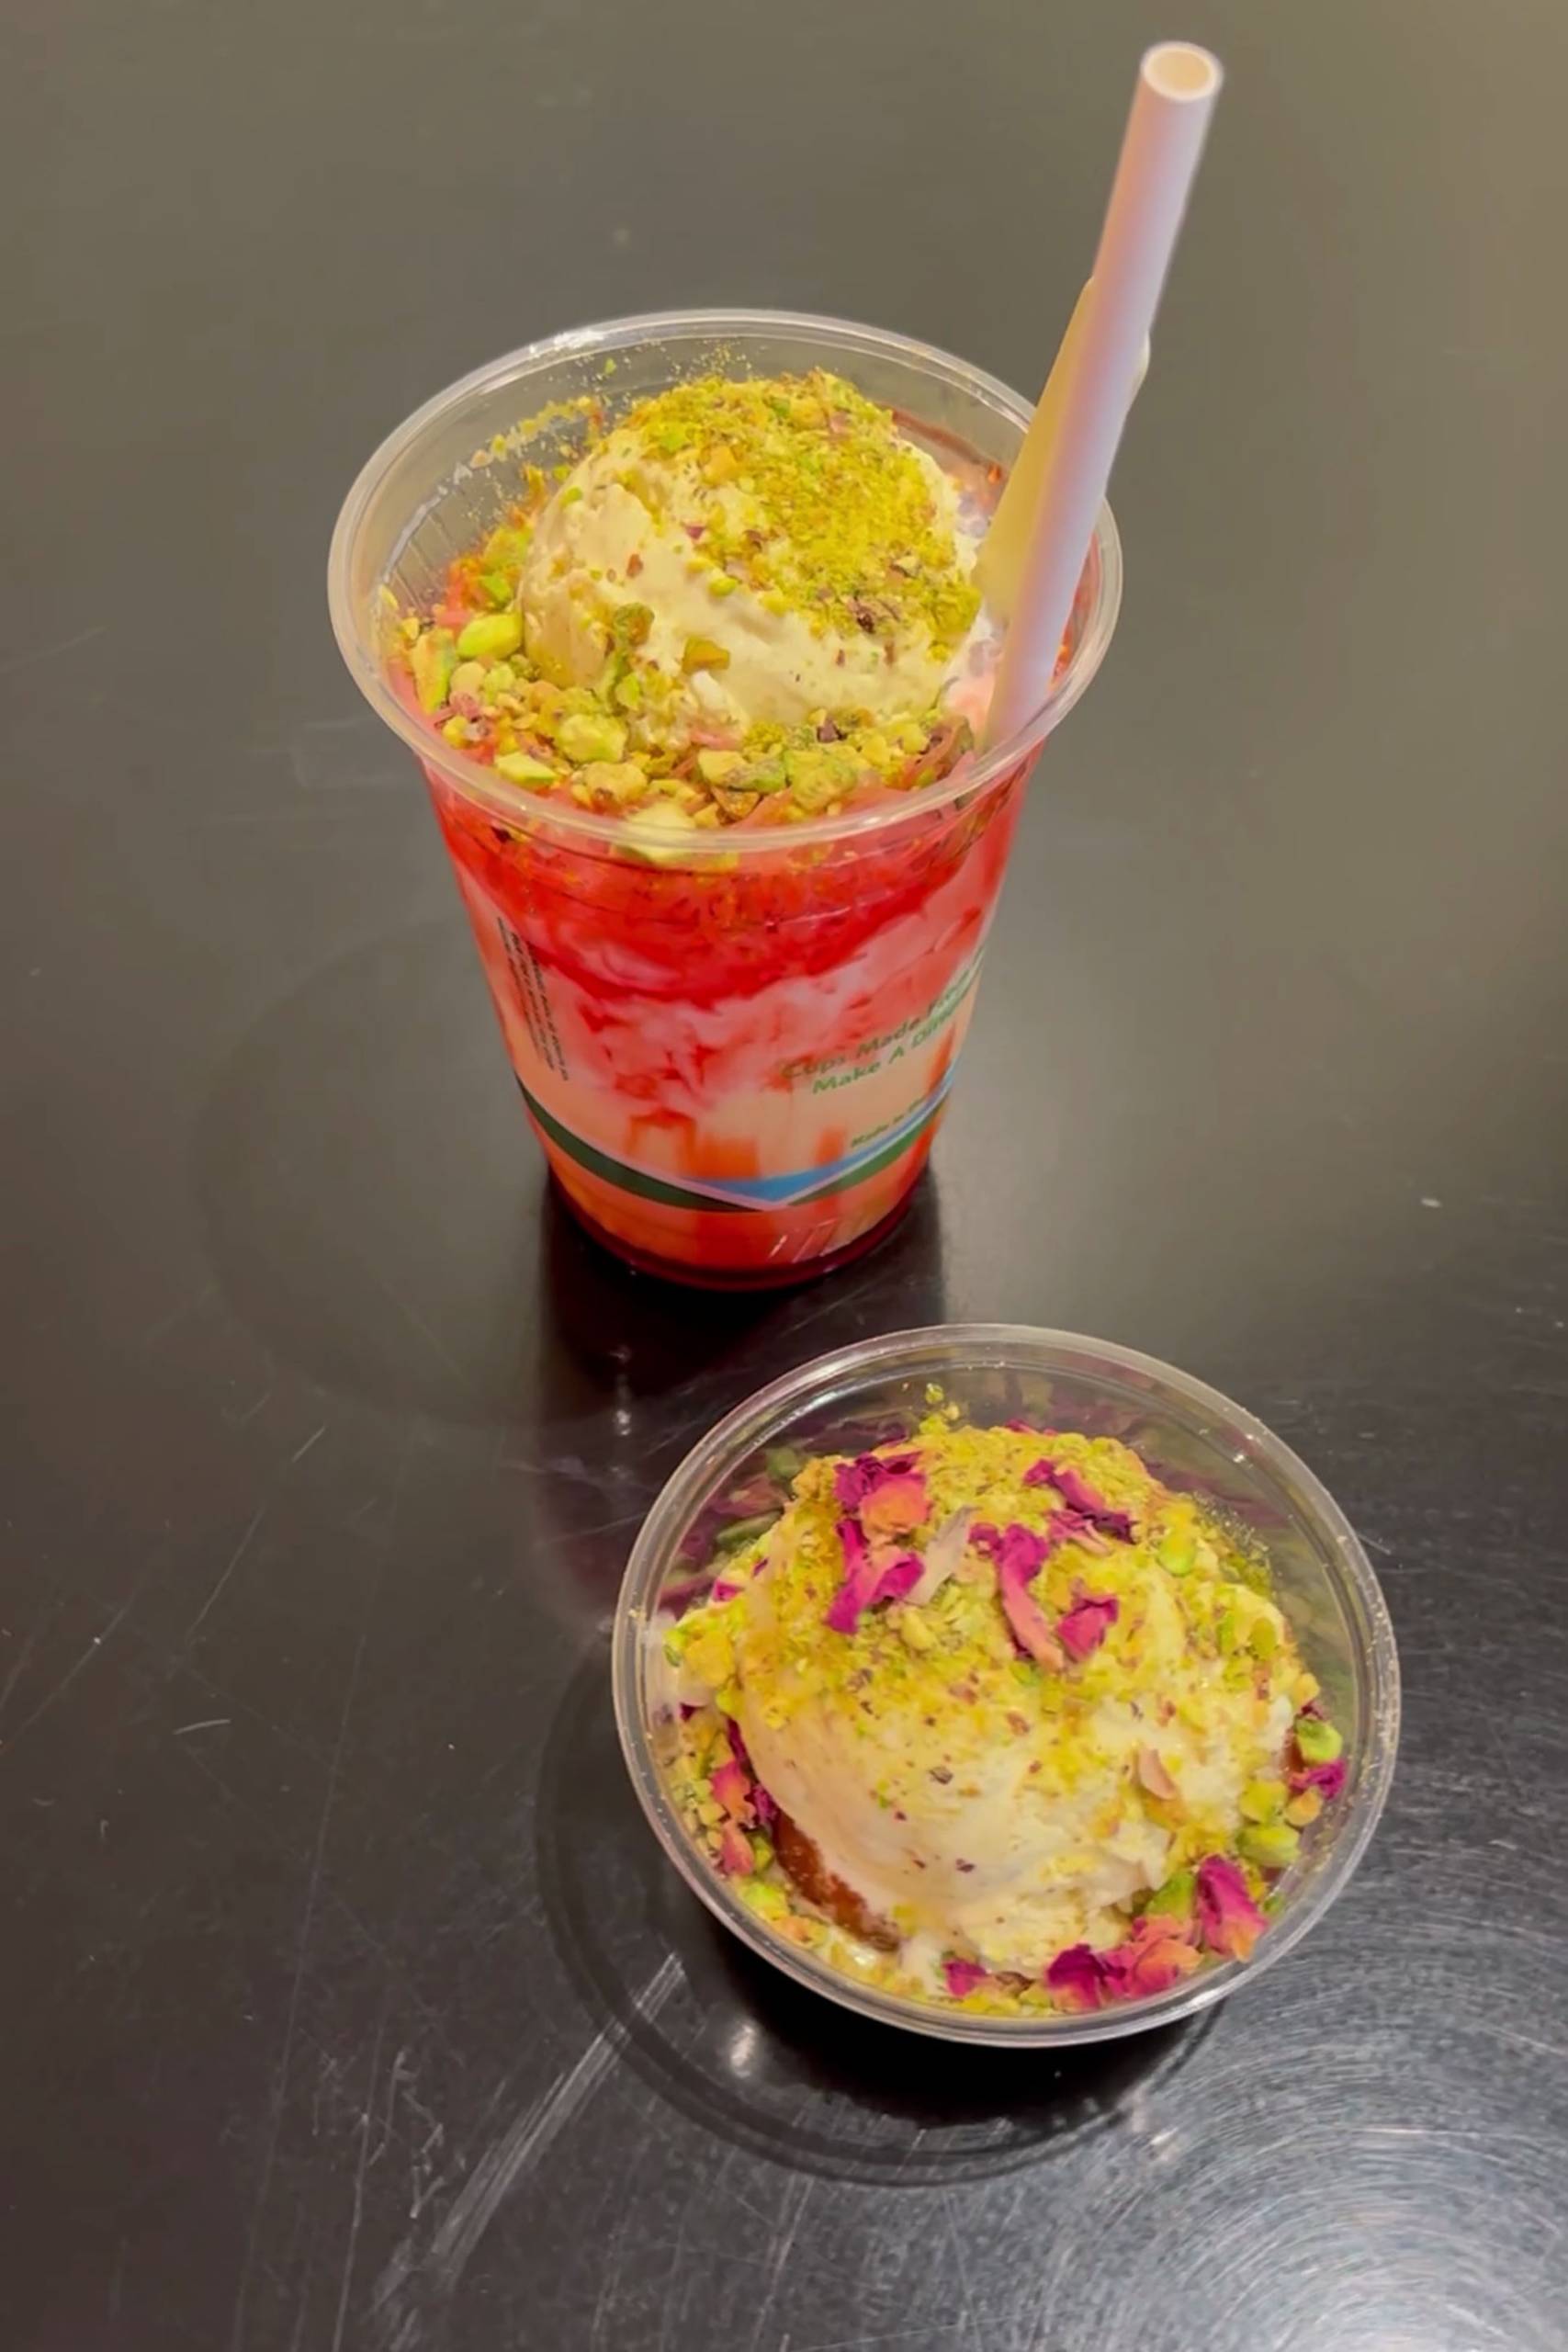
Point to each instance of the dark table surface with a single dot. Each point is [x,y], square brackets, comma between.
[347,2002]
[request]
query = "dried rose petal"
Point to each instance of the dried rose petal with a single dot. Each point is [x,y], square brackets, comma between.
[767,1811]
[1075,1527]
[1153,1774]
[1156,1956]
[732,1790]
[1328,1780]
[898,1507]
[723,1589]
[897,1579]
[860,1581]
[870,1578]
[1078,1979]
[736,1859]
[1028,1622]
[1087,1622]
[1015,1544]
[963,1976]
[1079,1496]
[1228,1919]
[1019,1554]
[853,1481]
[886,1490]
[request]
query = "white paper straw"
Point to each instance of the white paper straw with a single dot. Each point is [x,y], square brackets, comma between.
[1004,550]
[1175,91]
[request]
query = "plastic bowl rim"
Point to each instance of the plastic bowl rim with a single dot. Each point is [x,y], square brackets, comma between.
[1371,1626]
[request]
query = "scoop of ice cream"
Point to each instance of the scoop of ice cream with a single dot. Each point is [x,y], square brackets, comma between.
[772,548]
[749,600]
[977,1798]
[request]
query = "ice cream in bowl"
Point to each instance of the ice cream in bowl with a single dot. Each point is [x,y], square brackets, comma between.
[1005,1685]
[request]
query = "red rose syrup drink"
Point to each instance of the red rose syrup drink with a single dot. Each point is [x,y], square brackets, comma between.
[677,614]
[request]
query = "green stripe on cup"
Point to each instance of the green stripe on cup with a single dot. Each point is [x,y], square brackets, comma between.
[616,1172]
[647,1187]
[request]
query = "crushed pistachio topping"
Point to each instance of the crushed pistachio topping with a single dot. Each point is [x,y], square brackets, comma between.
[745,602]
[846,530]
[992,1716]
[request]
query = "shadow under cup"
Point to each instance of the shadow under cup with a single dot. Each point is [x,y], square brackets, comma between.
[735,1051]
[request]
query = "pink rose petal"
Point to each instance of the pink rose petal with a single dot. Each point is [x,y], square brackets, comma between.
[1079,1496]
[1328,1780]
[897,1506]
[1228,1919]
[1156,1956]
[767,1811]
[1027,1619]
[732,1790]
[870,1578]
[963,1976]
[736,1859]
[860,1581]
[1085,1625]
[887,1492]
[1019,1553]
[1078,1979]
[853,1481]
[1019,1543]
[897,1579]
[723,1589]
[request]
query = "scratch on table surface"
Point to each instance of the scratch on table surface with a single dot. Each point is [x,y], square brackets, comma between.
[393,2079]
[357,2213]
[292,2022]
[28,1646]
[237,1420]
[966,2313]
[66,1679]
[411,1316]
[509,2159]
[1557,2050]
[238,1554]
[47,652]
[300,1452]
[796,2197]
[602,1526]
[524,2142]
[177,1315]
[207,1722]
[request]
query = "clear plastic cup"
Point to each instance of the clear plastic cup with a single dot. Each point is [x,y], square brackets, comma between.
[1191,1437]
[735,1053]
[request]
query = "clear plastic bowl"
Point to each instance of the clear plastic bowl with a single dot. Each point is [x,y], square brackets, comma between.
[1187,1434]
